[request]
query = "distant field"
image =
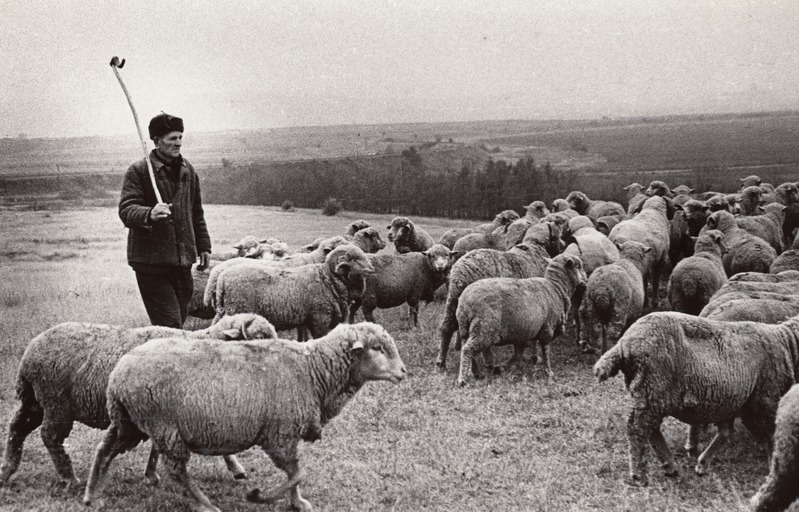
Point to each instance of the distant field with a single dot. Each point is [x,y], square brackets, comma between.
[511,442]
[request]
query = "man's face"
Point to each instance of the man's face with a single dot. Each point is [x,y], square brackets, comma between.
[169,145]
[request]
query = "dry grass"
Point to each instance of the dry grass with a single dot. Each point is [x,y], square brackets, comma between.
[507,443]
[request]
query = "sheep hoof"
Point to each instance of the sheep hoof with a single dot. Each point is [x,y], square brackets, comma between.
[497,370]
[462,383]
[638,481]
[152,481]
[254,496]
[700,469]
[240,476]
[441,365]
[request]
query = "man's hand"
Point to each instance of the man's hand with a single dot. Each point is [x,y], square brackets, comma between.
[205,260]
[160,211]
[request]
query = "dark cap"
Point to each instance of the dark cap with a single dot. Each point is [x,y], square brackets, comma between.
[163,123]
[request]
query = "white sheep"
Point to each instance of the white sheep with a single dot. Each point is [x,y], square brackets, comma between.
[509,311]
[614,297]
[767,226]
[270,394]
[700,371]
[651,228]
[63,375]
[592,247]
[402,278]
[407,237]
[695,279]
[780,489]
[528,259]
[315,297]
[745,252]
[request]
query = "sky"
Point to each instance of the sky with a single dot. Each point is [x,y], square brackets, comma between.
[277,63]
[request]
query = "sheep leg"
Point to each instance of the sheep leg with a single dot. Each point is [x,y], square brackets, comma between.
[27,419]
[488,359]
[640,428]
[518,352]
[235,467]
[286,460]
[413,314]
[725,429]
[150,472]
[177,458]
[663,452]
[113,443]
[369,314]
[53,433]
[692,441]
[467,361]
[591,326]
[545,358]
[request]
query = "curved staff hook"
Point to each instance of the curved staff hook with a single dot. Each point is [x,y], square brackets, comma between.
[115,65]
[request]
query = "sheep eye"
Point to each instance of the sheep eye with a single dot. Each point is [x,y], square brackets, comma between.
[379,348]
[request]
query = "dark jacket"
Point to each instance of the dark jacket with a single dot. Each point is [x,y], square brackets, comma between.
[176,242]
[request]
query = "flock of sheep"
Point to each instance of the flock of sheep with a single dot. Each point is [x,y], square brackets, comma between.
[728,348]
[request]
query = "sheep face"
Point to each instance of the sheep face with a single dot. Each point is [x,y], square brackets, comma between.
[721,220]
[750,181]
[356,226]
[658,188]
[750,199]
[439,258]
[506,217]
[559,205]
[373,351]
[570,266]
[718,203]
[349,260]
[682,189]
[711,240]
[248,247]
[787,193]
[578,202]
[633,251]
[695,213]
[330,244]
[400,229]
[633,189]
[537,209]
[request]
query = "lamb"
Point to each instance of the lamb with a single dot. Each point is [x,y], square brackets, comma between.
[502,220]
[700,371]
[318,255]
[746,252]
[528,259]
[270,394]
[510,311]
[368,239]
[593,209]
[614,298]
[315,297]
[592,247]
[767,226]
[650,227]
[407,237]
[695,279]
[750,200]
[401,278]
[779,490]
[63,375]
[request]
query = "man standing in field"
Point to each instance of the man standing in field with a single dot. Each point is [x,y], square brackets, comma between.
[165,238]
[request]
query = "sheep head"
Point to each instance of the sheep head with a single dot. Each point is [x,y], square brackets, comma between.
[682,189]
[559,205]
[505,217]
[349,260]
[439,258]
[356,226]
[750,200]
[606,223]
[374,353]
[633,251]
[787,194]
[370,238]
[695,213]
[569,267]
[711,241]
[578,202]
[537,209]
[245,326]
[721,220]
[633,189]
[749,181]
[658,188]
[717,203]
[400,229]
[249,247]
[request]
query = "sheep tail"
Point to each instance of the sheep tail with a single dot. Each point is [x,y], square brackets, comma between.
[609,364]
[24,390]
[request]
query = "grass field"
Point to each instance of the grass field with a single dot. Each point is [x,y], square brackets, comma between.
[511,442]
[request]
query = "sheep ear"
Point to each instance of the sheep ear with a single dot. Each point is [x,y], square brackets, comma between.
[388,227]
[647,249]
[357,345]
[343,268]
[237,245]
[263,241]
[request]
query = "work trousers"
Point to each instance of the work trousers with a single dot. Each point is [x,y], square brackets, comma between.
[166,296]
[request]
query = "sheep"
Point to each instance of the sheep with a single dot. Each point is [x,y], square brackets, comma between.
[501,220]
[63,375]
[754,308]
[247,247]
[614,298]
[318,255]
[682,190]
[313,245]
[718,202]
[407,237]
[779,277]
[695,279]
[687,223]
[635,197]
[270,394]
[315,297]
[735,290]
[767,226]
[592,247]
[788,260]
[560,205]
[355,226]
[746,252]
[700,371]
[510,311]
[498,241]
[368,239]
[650,227]
[751,181]
[401,278]
[750,201]
[536,211]
[528,259]
[606,223]
[593,209]
[779,489]
[787,194]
